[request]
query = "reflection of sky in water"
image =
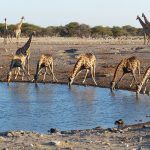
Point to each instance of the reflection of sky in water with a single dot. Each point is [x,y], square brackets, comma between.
[29,107]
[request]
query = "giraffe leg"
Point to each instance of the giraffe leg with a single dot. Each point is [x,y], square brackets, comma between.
[9,76]
[78,73]
[139,71]
[87,71]
[134,79]
[28,64]
[36,75]
[144,91]
[92,73]
[94,66]
[17,38]
[144,39]
[5,43]
[120,79]
[51,70]
[132,82]
[17,72]
[52,67]
[24,73]
[44,74]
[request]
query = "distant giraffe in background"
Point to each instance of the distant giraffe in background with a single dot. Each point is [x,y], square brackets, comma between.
[146,78]
[127,65]
[18,29]
[5,34]
[146,30]
[26,51]
[85,61]
[45,62]
[145,19]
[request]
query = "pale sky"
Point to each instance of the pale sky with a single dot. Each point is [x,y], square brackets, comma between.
[61,12]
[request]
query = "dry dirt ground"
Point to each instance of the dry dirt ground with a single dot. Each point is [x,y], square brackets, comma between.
[108,55]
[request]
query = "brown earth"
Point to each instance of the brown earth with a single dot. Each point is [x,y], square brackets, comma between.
[108,56]
[136,137]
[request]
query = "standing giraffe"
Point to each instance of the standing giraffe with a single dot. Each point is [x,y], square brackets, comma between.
[127,65]
[146,29]
[145,19]
[85,61]
[5,34]
[45,62]
[26,51]
[18,29]
[145,80]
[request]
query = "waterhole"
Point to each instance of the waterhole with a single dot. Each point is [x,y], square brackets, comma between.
[24,106]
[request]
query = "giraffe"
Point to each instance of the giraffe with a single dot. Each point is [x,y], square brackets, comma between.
[145,19]
[146,30]
[145,80]
[126,65]
[45,62]
[17,62]
[5,34]
[26,51]
[18,29]
[85,61]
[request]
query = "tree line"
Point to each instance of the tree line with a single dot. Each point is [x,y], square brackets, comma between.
[74,29]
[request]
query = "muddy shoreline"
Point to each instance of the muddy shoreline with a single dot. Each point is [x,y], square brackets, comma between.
[129,137]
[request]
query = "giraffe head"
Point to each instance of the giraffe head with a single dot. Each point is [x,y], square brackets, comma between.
[34,33]
[138,88]
[137,17]
[22,18]
[70,79]
[35,78]
[112,85]
[143,15]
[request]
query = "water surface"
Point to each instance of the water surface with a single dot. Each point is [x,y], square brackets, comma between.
[24,106]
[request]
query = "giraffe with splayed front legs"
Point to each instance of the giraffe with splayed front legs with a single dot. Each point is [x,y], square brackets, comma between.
[146,30]
[145,80]
[18,29]
[45,62]
[85,61]
[127,65]
[26,51]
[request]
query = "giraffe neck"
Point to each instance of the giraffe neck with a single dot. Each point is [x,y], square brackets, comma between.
[20,24]
[119,69]
[6,26]
[77,68]
[37,71]
[146,75]
[141,22]
[146,20]
[37,68]
[25,48]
